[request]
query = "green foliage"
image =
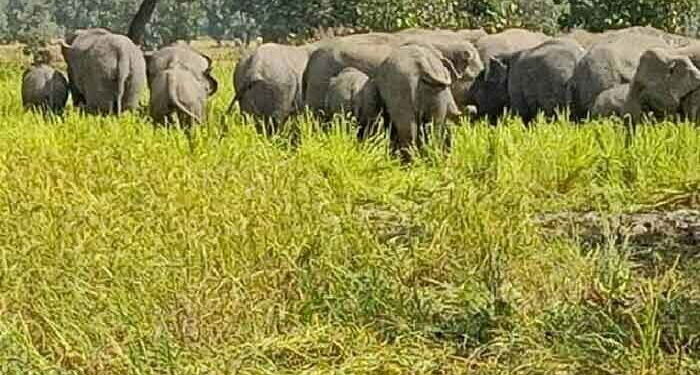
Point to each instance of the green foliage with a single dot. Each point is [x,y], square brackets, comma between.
[599,15]
[176,20]
[540,15]
[224,20]
[391,15]
[30,22]
[282,20]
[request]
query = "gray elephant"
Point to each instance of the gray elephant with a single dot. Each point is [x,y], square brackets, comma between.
[43,87]
[539,78]
[662,80]
[608,63]
[268,81]
[612,102]
[508,42]
[472,35]
[415,86]
[107,72]
[690,107]
[365,52]
[352,91]
[178,93]
[181,82]
[183,55]
[489,92]
[458,49]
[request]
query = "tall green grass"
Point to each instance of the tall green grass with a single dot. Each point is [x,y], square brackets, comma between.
[129,249]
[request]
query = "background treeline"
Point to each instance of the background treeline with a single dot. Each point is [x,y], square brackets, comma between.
[278,20]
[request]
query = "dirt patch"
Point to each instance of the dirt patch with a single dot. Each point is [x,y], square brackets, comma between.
[647,229]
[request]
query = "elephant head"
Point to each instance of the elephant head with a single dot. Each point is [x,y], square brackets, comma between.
[489,93]
[663,79]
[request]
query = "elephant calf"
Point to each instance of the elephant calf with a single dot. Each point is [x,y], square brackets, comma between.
[354,92]
[611,102]
[414,83]
[44,88]
[176,93]
[181,82]
[268,81]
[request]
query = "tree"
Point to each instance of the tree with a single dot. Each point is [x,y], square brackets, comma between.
[225,20]
[177,20]
[137,28]
[3,21]
[600,15]
[31,22]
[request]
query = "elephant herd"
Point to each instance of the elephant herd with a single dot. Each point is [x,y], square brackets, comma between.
[107,73]
[415,76]
[407,79]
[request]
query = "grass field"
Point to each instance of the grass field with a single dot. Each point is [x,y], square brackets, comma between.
[126,249]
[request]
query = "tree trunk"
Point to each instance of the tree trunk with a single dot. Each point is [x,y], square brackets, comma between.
[137,29]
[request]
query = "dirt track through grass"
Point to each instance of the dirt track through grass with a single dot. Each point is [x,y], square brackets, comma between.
[126,249]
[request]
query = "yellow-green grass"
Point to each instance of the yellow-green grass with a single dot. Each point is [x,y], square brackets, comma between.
[126,249]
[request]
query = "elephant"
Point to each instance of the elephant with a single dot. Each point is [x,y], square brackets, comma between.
[365,52]
[472,35]
[414,84]
[612,102]
[458,49]
[663,79]
[538,78]
[44,88]
[107,71]
[354,92]
[608,63]
[690,107]
[182,55]
[508,42]
[489,92]
[268,81]
[178,93]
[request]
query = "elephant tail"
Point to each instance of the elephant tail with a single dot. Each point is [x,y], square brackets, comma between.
[175,99]
[123,72]
[239,95]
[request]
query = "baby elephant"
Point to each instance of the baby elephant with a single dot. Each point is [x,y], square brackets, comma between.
[44,88]
[180,81]
[176,93]
[414,83]
[352,91]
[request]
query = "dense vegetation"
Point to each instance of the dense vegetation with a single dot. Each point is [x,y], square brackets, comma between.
[31,20]
[126,249]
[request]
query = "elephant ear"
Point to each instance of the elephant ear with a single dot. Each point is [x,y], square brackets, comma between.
[447,63]
[686,74]
[65,49]
[213,84]
[210,63]
[433,72]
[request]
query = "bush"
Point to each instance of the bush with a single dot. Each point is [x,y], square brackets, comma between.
[600,15]
[30,22]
